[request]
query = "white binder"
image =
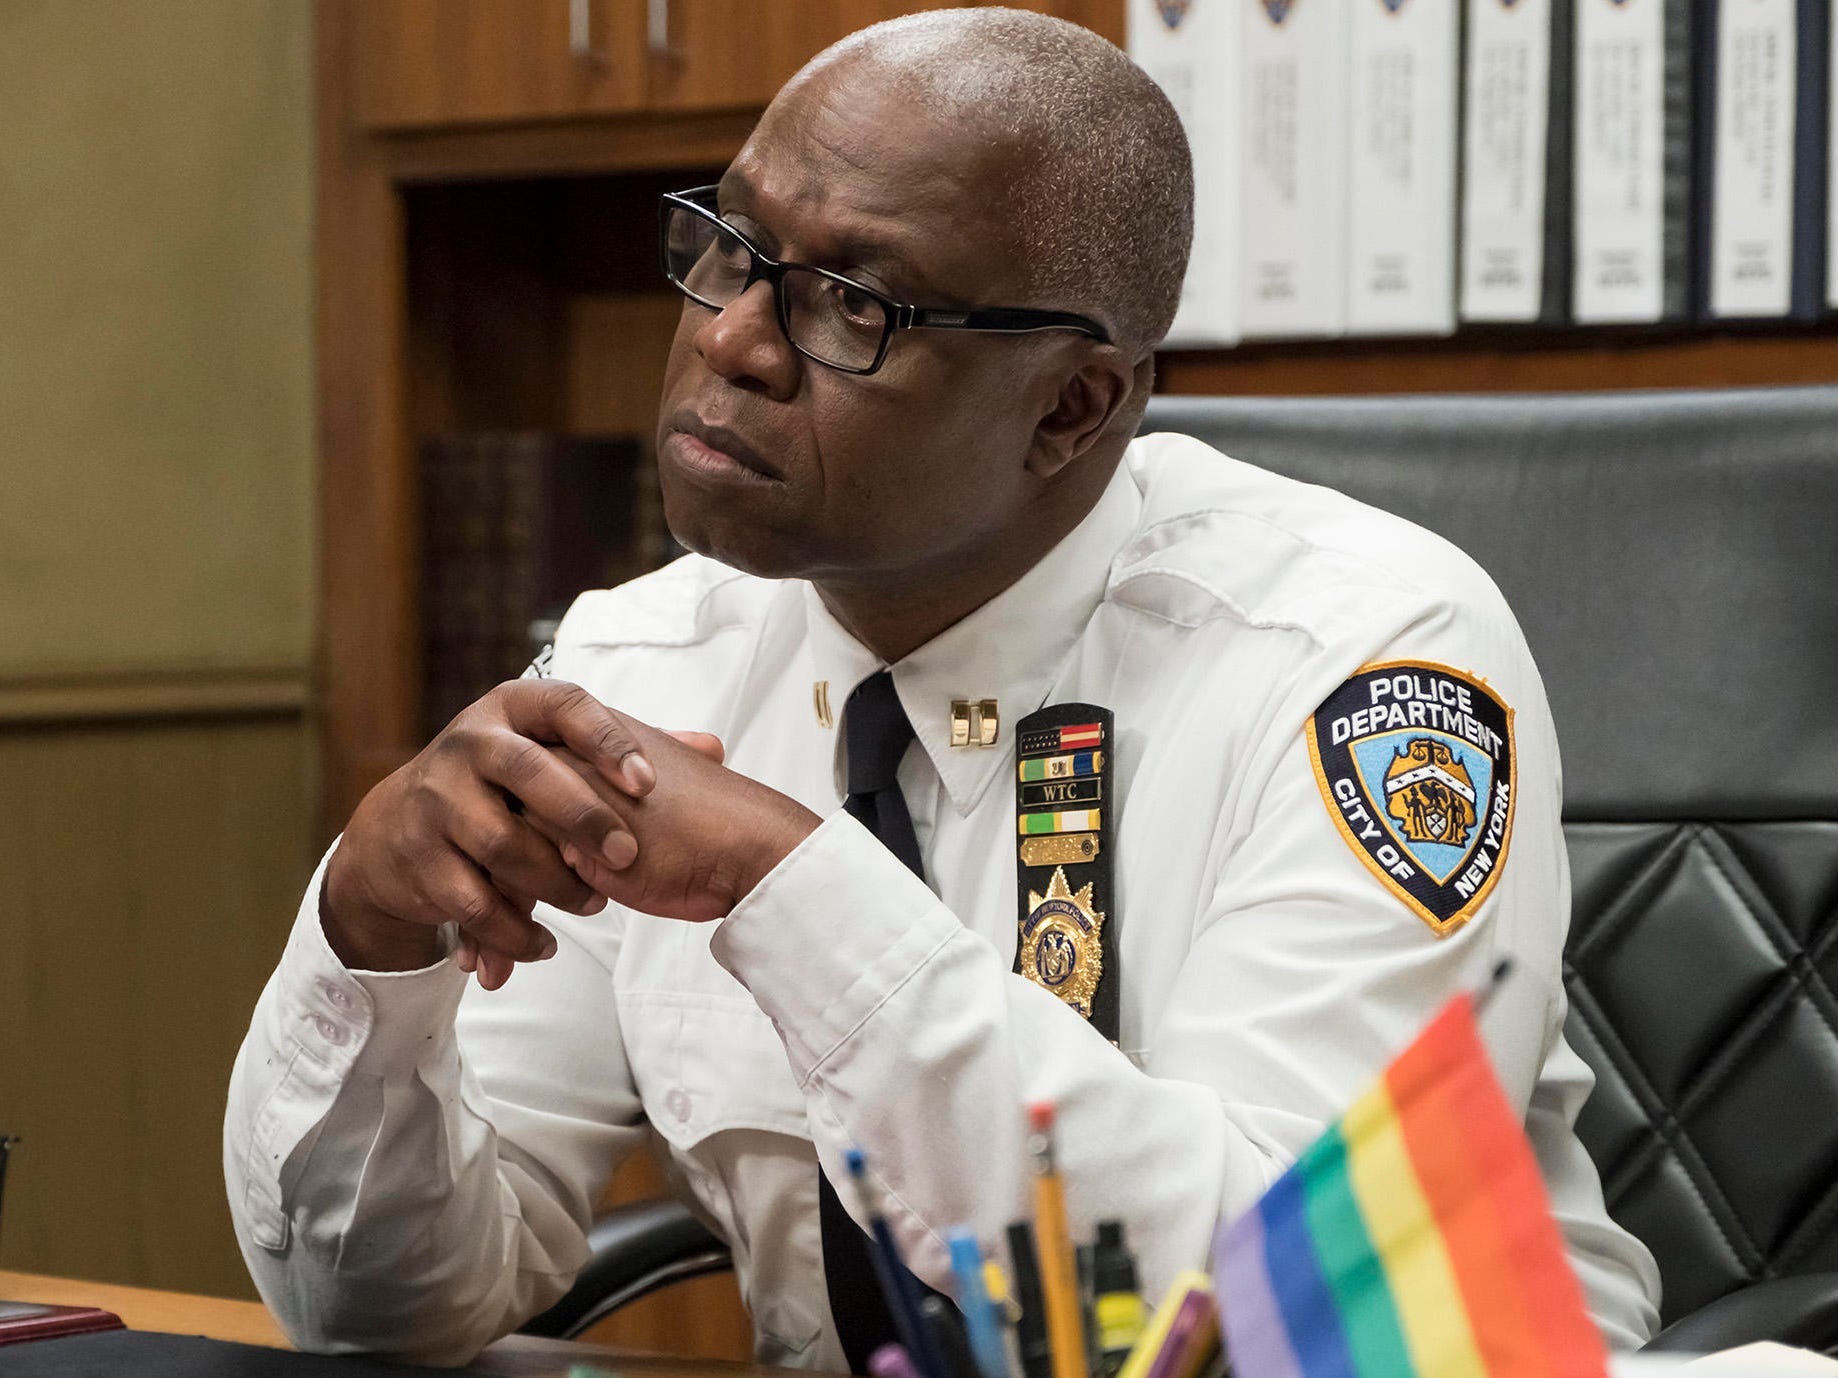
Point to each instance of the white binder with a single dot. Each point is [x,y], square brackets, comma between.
[1620,160]
[1294,126]
[1190,48]
[1404,110]
[1753,108]
[1506,129]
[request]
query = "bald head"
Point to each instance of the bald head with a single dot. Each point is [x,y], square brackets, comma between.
[1088,160]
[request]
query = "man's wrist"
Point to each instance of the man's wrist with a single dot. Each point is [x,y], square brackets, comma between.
[369,940]
[775,844]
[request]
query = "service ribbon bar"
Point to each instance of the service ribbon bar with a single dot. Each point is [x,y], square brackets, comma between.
[1076,738]
[1064,821]
[1063,767]
[1063,794]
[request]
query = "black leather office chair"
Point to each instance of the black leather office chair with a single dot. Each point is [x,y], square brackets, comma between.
[1673,558]
[635,1250]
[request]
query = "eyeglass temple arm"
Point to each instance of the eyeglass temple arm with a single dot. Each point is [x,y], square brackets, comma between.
[1012,320]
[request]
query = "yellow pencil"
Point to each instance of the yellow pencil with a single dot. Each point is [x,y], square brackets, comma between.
[1053,1241]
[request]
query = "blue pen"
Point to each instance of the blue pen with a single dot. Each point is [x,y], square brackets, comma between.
[973,1301]
[898,1285]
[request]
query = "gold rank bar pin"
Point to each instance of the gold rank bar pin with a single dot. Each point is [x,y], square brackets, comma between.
[974,722]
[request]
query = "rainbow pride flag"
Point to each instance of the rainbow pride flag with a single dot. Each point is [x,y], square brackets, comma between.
[1413,1238]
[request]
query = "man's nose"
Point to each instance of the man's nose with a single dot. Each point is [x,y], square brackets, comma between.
[744,344]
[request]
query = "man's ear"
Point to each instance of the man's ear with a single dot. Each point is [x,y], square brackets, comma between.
[1089,401]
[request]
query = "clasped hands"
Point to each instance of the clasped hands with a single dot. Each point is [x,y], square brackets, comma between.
[539,793]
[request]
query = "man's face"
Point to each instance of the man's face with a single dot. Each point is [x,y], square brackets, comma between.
[779,466]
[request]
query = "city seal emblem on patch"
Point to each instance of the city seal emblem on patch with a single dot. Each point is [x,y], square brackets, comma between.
[1415,763]
[1061,946]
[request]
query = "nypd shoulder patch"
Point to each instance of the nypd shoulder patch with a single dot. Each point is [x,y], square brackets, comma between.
[1415,762]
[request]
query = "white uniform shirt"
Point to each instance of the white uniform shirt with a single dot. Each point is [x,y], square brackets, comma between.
[412,1160]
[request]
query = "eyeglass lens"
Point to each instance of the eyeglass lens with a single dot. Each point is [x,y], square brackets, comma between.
[824,316]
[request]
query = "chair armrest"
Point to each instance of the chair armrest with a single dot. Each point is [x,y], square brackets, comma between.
[634,1250]
[1801,1311]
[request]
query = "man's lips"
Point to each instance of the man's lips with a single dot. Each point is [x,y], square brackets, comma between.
[708,445]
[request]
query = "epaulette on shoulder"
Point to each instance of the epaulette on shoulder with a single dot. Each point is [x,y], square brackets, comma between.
[1224,539]
[687,601]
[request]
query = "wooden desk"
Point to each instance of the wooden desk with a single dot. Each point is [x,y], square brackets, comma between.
[247,1322]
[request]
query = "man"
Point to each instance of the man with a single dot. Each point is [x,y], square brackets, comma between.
[1307,709]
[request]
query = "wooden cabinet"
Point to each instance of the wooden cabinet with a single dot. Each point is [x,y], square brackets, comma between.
[429,64]
[423,63]
[739,52]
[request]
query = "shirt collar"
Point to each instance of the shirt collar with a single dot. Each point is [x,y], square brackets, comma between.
[1011,649]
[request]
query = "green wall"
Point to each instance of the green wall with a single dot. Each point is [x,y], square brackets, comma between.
[155,334]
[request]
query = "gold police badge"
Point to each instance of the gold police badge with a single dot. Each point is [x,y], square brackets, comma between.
[1061,946]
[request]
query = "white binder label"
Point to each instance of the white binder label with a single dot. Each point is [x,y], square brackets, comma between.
[1620,160]
[1751,264]
[1508,99]
[1401,166]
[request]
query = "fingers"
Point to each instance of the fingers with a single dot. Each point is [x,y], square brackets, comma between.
[592,871]
[557,796]
[551,711]
[520,862]
[456,891]
[493,968]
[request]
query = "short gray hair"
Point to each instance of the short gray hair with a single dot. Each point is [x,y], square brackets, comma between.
[1104,192]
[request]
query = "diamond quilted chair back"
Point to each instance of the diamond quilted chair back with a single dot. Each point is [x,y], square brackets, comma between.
[1673,559]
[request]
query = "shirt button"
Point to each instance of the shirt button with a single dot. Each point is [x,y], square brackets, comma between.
[338,998]
[330,1032]
[677,1103]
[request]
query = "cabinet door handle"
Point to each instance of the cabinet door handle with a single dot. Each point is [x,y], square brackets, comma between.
[581,33]
[657,28]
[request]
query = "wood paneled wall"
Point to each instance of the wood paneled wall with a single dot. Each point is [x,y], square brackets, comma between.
[148,872]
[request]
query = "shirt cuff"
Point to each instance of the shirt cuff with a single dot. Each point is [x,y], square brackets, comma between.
[832,931]
[374,1021]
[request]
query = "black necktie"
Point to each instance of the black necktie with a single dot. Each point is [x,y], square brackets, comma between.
[877,733]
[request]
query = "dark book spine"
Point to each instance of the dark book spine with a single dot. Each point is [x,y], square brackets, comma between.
[1686,217]
[1559,169]
[1811,131]
[1703,193]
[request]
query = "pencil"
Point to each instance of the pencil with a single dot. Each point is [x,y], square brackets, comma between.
[1053,1241]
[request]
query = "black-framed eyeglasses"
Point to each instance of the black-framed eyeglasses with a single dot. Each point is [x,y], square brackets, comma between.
[835,320]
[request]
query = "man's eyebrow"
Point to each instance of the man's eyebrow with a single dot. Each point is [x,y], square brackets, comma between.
[847,248]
